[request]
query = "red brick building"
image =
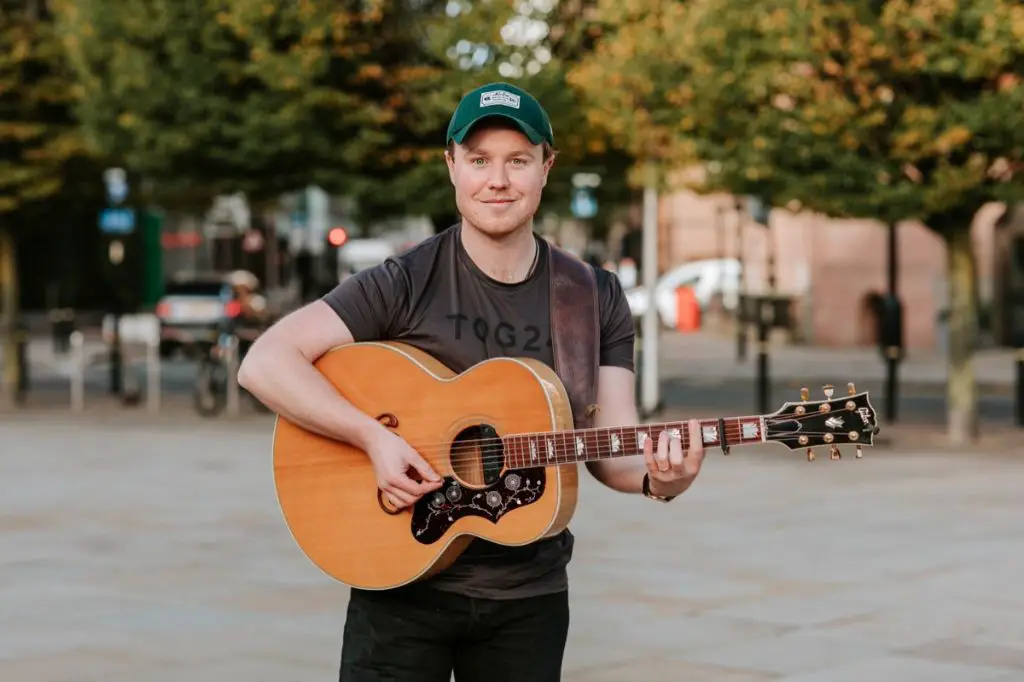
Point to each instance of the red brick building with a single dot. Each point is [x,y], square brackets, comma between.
[831,267]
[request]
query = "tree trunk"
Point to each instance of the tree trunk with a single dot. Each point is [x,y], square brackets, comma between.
[962,393]
[8,319]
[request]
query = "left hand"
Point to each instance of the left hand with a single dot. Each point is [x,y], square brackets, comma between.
[671,471]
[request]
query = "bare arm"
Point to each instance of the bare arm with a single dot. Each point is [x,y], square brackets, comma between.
[617,407]
[278,369]
[671,470]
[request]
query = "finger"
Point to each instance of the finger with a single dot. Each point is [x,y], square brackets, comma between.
[649,454]
[400,499]
[675,451]
[662,455]
[695,452]
[407,485]
[423,467]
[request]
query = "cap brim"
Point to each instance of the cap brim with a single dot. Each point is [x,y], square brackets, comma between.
[531,133]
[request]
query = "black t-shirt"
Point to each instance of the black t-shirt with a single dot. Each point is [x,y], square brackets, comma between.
[433,297]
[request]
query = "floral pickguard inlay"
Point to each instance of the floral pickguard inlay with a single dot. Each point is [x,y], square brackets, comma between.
[435,513]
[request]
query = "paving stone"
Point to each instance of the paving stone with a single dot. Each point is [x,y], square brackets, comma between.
[900,669]
[795,652]
[155,550]
[666,669]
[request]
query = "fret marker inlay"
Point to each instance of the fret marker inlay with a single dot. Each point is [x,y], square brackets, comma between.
[551,449]
[581,447]
[709,434]
[533,450]
[750,431]
[616,443]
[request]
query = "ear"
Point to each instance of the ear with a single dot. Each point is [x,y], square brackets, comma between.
[449,159]
[547,169]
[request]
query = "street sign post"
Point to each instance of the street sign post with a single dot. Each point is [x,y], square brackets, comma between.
[584,203]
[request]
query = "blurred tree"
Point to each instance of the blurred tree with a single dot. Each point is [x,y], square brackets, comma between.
[629,83]
[907,109]
[38,139]
[210,97]
[531,44]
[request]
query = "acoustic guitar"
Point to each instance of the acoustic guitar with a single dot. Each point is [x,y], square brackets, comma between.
[501,436]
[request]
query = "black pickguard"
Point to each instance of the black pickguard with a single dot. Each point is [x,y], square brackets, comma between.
[435,513]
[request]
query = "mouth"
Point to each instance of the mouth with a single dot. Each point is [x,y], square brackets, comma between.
[499,202]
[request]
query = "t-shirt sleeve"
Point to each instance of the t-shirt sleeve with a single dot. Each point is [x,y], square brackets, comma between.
[617,330]
[373,302]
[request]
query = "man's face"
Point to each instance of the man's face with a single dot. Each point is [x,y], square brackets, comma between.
[498,175]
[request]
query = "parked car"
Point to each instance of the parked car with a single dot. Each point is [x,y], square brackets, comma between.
[195,309]
[705,278]
[359,254]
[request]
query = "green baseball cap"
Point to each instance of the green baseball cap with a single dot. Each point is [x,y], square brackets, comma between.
[505,101]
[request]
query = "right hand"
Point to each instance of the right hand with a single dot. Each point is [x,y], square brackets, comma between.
[392,458]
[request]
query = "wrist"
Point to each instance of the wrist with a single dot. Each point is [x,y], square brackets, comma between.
[658,489]
[366,432]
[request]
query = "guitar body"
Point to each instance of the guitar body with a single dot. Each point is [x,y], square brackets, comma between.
[328,490]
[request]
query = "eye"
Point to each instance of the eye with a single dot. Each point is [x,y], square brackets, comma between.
[477,161]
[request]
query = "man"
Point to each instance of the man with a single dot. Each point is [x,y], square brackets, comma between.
[477,290]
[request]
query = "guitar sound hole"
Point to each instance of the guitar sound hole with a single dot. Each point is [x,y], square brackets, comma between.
[478,455]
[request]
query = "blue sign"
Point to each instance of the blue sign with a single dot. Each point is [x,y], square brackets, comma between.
[117,220]
[584,205]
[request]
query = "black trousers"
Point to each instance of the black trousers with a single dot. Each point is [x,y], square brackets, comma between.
[417,634]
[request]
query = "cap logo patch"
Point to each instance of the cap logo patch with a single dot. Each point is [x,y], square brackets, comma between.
[495,98]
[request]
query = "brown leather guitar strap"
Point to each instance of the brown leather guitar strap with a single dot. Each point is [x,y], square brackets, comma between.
[575,332]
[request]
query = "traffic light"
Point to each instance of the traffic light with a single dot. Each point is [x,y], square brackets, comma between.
[337,236]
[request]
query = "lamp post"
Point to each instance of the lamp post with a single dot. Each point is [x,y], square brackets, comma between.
[760,212]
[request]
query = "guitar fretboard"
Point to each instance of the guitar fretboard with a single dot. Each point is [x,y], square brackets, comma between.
[587,445]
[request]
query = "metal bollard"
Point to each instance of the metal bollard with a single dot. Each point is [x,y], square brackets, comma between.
[77,371]
[233,402]
[153,376]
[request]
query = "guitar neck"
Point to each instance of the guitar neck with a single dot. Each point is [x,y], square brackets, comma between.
[526,450]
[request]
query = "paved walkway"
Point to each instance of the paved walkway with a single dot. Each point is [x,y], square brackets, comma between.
[154,550]
[712,358]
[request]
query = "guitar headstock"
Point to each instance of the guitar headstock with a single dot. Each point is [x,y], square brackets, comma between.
[831,422]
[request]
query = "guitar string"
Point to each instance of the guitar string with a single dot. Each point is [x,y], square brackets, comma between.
[520,460]
[653,427]
[567,455]
[733,431]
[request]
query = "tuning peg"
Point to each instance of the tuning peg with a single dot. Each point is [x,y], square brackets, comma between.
[829,389]
[834,453]
[805,394]
[810,455]
[850,388]
[860,452]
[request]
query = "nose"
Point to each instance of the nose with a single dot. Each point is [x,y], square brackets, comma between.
[498,178]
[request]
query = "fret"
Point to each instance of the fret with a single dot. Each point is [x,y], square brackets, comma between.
[593,445]
[587,445]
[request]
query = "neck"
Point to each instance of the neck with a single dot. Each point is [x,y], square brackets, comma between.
[508,258]
[527,450]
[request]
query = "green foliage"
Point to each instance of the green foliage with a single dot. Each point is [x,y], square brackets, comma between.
[630,82]
[895,110]
[246,96]
[37,133]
